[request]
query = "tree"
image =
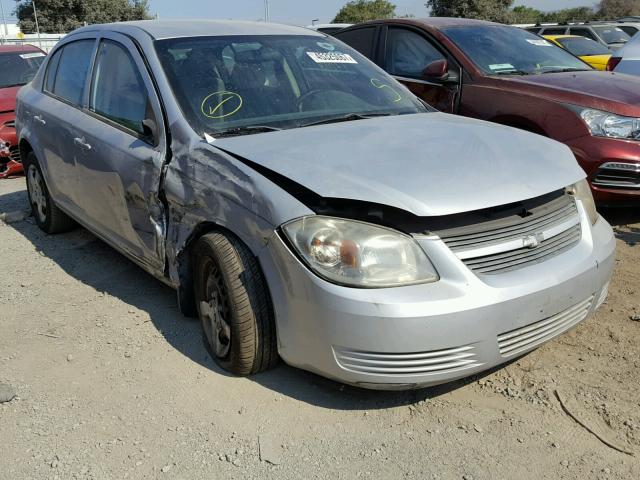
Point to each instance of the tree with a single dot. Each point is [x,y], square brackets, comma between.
[62,16]
[613,9]
[493,10]
[362,10]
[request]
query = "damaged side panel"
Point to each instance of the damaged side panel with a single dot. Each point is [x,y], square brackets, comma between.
[205,188]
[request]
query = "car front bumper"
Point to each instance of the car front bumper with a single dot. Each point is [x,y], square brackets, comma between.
[423,335]
[593,153]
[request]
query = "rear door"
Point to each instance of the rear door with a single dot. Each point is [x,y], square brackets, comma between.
[56,114]
[406,53]
[120,151]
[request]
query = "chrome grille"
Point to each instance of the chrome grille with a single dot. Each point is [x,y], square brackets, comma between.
[618,175]
[438,361]
[522,339]
[14,153]
[517,241]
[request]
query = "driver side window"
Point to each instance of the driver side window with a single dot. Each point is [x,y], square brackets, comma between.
[409,53]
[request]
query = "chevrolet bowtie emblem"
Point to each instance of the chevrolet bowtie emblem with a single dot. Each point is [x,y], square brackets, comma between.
[532,241]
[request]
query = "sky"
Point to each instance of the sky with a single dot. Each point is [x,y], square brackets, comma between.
[301,12]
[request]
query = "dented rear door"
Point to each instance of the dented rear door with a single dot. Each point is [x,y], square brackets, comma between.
[120,155]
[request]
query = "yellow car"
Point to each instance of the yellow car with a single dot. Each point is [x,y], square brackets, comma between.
[587,50]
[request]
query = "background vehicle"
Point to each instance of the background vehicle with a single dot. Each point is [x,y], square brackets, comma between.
[627,60]
[586,49]
[18,65]
[630,27]
[608,34]
[272,176]
[329,28]
[509,76]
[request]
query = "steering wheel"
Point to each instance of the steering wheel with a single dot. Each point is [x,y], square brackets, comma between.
[329,94]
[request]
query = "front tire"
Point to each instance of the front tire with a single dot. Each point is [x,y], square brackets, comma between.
[234,305]
[48,216]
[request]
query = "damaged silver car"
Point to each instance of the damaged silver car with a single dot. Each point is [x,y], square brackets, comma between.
[306,206]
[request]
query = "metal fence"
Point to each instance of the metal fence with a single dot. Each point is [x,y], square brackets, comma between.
[45,42]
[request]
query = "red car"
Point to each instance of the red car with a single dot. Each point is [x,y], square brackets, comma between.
[507,75]
[18,65]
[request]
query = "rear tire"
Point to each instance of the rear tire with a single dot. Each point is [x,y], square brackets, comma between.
[234,305]
[48,216]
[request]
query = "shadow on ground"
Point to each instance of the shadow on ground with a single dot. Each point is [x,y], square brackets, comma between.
[622,220]
[92,262]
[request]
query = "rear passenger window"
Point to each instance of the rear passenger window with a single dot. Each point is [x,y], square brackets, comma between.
[118,92]
[583,32]
[360,39]
[554,31]
[71,73]
[52,68]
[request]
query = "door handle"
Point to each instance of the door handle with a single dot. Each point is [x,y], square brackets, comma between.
[82,143]
[39,119]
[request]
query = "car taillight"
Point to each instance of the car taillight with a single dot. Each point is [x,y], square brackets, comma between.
[613,63]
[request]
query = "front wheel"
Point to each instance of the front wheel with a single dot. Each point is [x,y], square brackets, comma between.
[234,305]
[48,216]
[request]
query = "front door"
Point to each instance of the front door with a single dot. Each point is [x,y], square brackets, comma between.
[407,53]
[121,152]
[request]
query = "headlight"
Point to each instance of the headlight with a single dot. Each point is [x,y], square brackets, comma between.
[582,192]
[604,124]
[359,254]
[4,146]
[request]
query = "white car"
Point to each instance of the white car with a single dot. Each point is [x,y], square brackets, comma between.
[627,60]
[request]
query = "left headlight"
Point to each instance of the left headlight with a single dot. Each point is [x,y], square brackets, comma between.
[359,254]
[582,192]
[605,124]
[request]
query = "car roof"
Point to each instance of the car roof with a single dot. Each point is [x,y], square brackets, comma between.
[18,48]
[163,29]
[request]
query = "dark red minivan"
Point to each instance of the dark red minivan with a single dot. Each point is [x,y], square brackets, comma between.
[507,75]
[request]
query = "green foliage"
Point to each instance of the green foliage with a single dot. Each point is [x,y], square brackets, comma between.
[493,10]
[362,10]
[613,9]
[62,16]
[531,15]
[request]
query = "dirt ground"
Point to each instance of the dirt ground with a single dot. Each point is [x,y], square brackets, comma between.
[112,382]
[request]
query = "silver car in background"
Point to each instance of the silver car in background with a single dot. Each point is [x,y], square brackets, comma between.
[627,60]
[306,206]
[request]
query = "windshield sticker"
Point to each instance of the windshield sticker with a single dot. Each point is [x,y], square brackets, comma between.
[326,46]
[501,66]
[331,57]
[26,56]
[380,84]
[540,43]
[221,104]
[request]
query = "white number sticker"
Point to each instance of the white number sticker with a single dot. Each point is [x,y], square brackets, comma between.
[331,57]
[540,43]
[32,55]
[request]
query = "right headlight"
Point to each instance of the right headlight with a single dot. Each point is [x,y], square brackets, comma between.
[359,254]
[605,124]
[582,192]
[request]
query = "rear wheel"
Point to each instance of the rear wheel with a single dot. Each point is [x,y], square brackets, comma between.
[234,305]
[47,215]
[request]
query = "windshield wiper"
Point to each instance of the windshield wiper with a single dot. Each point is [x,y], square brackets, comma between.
[562,70]
[248,130]
[512,72]
[346,118]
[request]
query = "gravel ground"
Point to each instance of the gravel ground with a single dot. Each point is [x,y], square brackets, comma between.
[112,382]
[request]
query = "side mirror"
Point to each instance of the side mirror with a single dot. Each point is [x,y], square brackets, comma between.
[438,72]
[150,129]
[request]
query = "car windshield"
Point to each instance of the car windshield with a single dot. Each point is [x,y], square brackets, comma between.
[581,46]
[248,84]
[504,50]
[612,34]
[18,68]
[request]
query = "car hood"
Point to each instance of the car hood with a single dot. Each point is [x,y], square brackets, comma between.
[427,164]
[609,91]
[8,98]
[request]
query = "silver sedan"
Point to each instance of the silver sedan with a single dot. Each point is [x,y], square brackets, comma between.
[306,206]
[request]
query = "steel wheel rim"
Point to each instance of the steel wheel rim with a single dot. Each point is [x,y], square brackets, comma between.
[36,193]
[214,311]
